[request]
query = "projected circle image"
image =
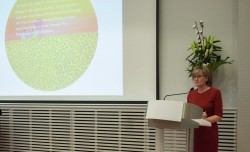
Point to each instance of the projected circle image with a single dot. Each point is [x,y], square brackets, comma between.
[50,44]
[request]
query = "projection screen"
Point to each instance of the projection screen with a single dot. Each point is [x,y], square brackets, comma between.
[93,50]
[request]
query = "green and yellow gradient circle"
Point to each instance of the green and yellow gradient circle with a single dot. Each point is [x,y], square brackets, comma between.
[51,43]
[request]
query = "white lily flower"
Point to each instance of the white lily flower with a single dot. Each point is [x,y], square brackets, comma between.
[205,64]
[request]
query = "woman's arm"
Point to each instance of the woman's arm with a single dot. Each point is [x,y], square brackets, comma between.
[211,119]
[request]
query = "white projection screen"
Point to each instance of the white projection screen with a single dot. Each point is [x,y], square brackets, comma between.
[78,50]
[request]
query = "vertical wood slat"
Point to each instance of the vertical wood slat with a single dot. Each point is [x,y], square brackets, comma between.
[94,128]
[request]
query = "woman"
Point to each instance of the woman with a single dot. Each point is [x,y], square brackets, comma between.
[210,100]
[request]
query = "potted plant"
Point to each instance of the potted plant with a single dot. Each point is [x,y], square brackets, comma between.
[205,51]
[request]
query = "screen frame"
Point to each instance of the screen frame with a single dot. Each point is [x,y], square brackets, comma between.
[130,19]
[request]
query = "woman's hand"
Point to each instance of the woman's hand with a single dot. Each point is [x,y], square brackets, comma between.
[204,115]
[211,119]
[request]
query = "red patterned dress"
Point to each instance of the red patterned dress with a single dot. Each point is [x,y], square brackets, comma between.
[206,138]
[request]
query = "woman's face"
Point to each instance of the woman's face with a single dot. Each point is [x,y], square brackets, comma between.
[199,79]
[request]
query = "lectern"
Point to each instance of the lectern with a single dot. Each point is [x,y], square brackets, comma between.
[174,115]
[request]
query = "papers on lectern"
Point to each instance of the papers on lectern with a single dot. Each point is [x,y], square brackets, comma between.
[203,122]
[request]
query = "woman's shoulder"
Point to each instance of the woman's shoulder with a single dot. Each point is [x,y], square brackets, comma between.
[215,90]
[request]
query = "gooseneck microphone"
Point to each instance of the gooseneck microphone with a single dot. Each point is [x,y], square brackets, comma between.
[175,94]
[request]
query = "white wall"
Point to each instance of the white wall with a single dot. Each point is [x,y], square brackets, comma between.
[176,36]
[243,77]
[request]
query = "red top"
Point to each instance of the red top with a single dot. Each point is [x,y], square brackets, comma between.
[206,138]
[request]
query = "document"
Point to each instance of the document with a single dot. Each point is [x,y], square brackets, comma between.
[203,122]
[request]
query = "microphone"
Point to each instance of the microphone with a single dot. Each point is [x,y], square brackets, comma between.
[175,94]
[191,89]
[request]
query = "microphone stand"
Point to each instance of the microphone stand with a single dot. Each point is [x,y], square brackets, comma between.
[175,94]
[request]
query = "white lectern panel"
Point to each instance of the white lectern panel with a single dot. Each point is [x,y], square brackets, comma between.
[165,110]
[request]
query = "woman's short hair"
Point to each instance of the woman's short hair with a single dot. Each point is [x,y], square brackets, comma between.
[204,70]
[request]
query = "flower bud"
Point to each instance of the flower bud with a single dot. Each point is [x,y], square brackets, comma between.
[206,54]
[203,48]
[201,23]
[211,50]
